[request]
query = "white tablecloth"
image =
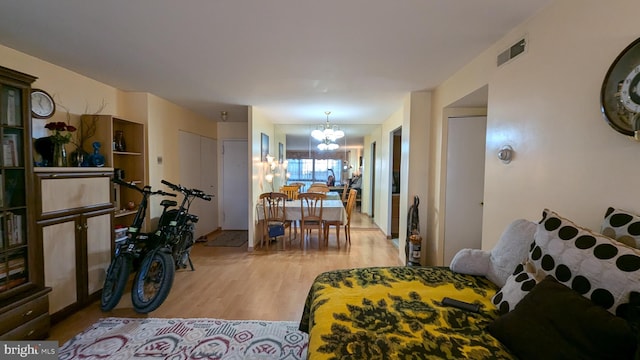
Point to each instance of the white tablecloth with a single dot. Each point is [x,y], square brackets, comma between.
[332,210]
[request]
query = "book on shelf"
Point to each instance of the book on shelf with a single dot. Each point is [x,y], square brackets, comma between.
[12,98]
[14,229]
[10,150]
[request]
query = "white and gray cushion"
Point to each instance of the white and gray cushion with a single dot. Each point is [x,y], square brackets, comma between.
[623,226]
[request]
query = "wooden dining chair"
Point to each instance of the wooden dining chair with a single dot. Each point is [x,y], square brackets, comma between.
[273,207]
[347,226]
[291,191]
[311,205]
[351,203]
[299,185]
[318,188]
[345,194]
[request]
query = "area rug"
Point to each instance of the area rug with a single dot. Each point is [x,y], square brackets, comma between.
[130,338]
[229,238]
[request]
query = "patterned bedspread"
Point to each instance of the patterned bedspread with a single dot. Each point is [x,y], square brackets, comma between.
[395,313]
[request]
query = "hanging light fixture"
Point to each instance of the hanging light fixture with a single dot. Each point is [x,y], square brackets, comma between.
[327,131]
[327,144]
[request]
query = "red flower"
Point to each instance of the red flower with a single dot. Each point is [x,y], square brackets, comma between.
[58,128]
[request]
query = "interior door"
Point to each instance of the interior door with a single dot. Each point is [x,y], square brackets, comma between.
[235,175]
[464,193]
[198,162]
[209,184]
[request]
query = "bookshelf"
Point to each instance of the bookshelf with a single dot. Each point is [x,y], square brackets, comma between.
[130,161]
[23,296]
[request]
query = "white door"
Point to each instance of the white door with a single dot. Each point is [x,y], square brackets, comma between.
[198,160]
[464,184]
[235,177]
[209,184]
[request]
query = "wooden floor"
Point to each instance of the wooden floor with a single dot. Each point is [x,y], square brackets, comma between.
[231,283]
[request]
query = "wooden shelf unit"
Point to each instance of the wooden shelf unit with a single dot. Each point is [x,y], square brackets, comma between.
[133,160]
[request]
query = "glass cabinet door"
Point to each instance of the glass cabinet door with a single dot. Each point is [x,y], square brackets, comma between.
[14,252]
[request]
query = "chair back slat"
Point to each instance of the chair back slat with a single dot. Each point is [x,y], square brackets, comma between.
[318,188]
[291,191]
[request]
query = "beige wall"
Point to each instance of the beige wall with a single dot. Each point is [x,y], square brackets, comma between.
[414,118]
[545,104]
[258,123]
[165,120]
[78,94]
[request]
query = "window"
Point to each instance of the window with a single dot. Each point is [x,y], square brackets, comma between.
[314,170]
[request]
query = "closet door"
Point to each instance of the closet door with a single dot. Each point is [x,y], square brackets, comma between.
[198,169]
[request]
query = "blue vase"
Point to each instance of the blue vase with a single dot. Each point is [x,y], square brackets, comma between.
[96,159]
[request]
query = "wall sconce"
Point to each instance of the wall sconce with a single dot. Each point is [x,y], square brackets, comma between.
[505,154]
[223,115]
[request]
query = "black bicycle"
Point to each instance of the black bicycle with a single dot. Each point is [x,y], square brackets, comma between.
[175,238]
[132,248]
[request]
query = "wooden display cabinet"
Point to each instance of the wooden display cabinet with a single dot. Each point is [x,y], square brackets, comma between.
[23,296]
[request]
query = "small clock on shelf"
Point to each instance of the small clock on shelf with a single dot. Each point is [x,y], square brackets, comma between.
[42,104]
[620,94]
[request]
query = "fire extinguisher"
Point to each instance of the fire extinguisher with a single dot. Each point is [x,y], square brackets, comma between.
[413,243]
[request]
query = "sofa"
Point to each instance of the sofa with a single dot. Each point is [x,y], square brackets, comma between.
[547,290]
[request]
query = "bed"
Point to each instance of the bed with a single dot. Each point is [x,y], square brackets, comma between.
[395,313]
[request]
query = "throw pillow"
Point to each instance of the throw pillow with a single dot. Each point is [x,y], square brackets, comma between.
[515,288]
[622,226]
[555,322]
[598,267]
[512,249]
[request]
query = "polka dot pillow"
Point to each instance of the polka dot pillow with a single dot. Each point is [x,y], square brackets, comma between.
[598,267]
[514,289]
[622,226]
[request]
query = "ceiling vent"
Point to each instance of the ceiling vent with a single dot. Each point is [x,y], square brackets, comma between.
[513,51]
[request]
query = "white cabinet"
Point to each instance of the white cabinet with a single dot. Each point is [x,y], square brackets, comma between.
[74,222]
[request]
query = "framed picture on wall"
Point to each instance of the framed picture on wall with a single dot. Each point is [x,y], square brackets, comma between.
[264,146]
[280,153]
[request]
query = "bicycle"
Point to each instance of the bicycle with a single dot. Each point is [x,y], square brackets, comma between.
[128,250]
[175,235]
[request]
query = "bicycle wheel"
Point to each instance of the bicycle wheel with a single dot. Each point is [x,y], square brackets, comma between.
[115,281]
[152,282]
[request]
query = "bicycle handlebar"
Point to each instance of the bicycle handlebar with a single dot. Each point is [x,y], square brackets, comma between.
[146,189]
[189,192]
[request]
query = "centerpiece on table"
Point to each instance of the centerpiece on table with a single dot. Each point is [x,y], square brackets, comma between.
[61,135]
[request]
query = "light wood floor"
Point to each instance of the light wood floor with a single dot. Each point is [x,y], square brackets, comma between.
[231,283]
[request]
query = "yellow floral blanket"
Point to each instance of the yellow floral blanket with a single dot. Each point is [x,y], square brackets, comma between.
[395,313]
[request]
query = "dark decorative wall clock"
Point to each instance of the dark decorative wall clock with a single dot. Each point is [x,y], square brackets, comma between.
[42,104]
[620,94]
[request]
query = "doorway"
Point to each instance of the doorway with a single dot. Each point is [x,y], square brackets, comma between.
[396,143]
[466,143]
[373,180]
[235,182]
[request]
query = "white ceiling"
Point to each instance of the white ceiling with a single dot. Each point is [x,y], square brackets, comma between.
[293,59]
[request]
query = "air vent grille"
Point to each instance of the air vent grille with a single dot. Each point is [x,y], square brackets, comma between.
[513,51]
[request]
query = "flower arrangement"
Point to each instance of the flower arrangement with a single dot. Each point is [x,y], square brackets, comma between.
[61,132]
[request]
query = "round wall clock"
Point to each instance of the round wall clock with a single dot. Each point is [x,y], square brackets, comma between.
[620,94]
[42,104]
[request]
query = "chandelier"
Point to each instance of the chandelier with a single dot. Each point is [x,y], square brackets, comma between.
[327,144]
[327,131]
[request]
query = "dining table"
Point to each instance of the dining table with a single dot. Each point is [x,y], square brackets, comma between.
[332,210]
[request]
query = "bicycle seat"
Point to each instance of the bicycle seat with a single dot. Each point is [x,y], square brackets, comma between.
[168,203]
